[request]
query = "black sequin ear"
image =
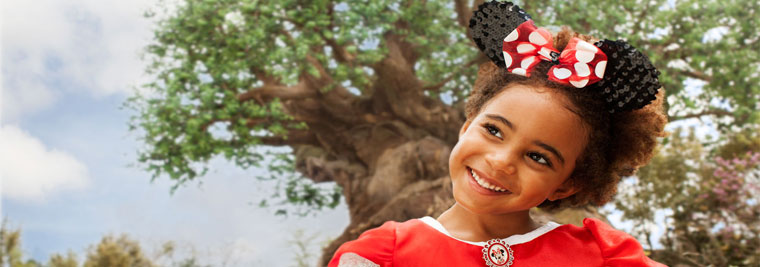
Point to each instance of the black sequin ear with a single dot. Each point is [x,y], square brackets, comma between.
[630,80]
[491,23]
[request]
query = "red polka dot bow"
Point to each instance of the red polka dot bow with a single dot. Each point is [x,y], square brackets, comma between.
[580,64]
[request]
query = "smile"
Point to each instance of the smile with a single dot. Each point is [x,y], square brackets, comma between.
[486,185]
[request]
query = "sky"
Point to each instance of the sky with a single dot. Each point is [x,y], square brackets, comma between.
[67,157]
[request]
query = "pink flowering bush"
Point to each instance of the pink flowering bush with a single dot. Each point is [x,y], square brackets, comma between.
[710,202]
[729,207]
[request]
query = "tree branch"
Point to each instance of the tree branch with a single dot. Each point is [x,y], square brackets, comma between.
[263,76]
[435,87]
[640,17]
[714,112]
[267,92]
[463,12]
[339,52]
[295,137]
[696,75]
[337,101]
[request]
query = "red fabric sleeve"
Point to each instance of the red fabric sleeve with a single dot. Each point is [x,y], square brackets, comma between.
[376,245]
[617,247]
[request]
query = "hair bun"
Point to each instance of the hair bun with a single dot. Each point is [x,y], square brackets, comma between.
[491,23]
[630,80]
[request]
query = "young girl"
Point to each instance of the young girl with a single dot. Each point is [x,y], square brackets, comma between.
[552,122]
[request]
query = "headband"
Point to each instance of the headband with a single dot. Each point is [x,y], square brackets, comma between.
[623,76]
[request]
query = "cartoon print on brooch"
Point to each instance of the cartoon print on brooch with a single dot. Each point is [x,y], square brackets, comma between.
[496,252]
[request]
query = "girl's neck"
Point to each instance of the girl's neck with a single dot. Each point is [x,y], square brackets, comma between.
[465,225]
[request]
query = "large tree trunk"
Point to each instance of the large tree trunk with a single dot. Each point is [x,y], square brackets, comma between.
[388,152]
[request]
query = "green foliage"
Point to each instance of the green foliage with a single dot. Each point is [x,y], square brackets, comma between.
[117,252]
[710,43]
[10,248]
[713,217]
[109,252]
[739,143]
[206,55]
[166,257]
[58,260]
[292,188]
[300,244]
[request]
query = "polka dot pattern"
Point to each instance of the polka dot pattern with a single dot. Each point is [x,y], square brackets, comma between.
[562,73]
[528,62]
[581,69]
[582,59]
[600,67]
[507,59]
[536,38]
[580,83]
[525,48]
[528,45]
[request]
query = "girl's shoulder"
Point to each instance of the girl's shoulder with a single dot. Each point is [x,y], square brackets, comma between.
[617,248]
[374,247]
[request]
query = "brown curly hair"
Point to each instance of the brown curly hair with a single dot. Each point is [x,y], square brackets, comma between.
[618,143]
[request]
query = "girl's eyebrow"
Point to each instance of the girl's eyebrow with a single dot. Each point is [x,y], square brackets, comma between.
[551,149]
[538,143]
[502,120]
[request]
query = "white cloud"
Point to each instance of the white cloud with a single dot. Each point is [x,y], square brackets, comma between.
[89,46]
[30,171]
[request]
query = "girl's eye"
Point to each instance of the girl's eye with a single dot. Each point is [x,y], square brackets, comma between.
[540,158]
[493,130]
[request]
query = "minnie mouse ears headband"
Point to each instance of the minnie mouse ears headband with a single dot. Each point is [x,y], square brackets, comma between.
[621,74]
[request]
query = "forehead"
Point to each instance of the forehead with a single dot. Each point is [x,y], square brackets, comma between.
[539,114]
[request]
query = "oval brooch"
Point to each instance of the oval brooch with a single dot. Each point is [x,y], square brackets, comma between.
[496,252]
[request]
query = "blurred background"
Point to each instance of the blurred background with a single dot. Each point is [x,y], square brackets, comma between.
[267,133]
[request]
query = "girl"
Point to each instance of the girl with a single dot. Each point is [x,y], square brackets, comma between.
[551,122]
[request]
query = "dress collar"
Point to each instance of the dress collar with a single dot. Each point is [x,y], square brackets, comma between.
[512,240]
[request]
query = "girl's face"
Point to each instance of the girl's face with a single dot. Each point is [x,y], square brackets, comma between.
[517,152]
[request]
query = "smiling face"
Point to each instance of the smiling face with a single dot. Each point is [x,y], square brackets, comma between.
[516,152]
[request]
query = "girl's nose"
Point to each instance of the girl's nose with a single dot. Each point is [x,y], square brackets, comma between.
[502,161]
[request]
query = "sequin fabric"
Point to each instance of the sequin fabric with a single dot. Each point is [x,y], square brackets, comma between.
[491,23]
[354,260]
[630,81]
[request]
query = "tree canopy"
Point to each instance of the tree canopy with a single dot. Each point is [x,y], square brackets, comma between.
[224,68]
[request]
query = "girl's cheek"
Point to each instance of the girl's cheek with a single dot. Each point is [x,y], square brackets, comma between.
[454,157]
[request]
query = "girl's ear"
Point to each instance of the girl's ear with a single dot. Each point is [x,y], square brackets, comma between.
[566,189]
[464,127]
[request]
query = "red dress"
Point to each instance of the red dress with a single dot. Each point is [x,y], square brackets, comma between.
[424,242]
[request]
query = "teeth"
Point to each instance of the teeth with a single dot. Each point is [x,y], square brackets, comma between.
[485,184]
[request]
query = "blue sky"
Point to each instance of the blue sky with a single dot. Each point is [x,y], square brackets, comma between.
[67,67]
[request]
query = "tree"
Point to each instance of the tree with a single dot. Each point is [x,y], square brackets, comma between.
[117,252]
[58,260]
[300,242]
[710,195]
[10,248]
[369,94]
[110,251]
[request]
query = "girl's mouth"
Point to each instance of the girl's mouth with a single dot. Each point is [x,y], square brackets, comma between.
[483,186]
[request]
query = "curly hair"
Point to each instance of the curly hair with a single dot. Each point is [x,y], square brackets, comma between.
[618,143]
